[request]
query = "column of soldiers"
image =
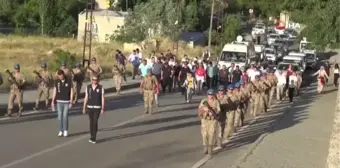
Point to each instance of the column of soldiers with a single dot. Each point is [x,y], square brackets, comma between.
[222,112]
[44,80]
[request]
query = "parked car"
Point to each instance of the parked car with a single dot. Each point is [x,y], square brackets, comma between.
[272,37]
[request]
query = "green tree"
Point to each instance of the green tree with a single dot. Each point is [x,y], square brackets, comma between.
[231,29]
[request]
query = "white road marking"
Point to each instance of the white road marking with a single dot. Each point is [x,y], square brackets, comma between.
[34,155]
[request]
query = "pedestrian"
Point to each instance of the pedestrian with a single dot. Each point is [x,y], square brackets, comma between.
[207,110]
[280,86]
[336,75]
[293,81]
[166,77]
[144,68]
[322,76]
[121,63]
[190,85]
[210,75]
[148,86]
[236,75]
[273,82]
[44,80]
[223,76]
[200,76]
[94,103]
[78,77]
[94,68]
[134,59]
[182,76]
[17,81]
[117,77]
[63,95]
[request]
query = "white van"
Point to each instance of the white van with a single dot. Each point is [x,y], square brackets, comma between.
[270,54]
[234,53]
[295,60]
[311,58]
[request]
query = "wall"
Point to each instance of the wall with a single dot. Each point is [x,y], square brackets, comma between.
[105,25]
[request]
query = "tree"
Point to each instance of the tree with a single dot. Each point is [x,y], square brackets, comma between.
[231,28]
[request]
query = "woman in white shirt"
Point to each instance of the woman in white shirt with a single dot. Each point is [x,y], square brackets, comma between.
[293,81]
[336,74]
[322,76]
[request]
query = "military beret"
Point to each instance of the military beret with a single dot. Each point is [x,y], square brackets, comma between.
[221,88]
[210,92]
[237,85]
[16,66]
[231,86]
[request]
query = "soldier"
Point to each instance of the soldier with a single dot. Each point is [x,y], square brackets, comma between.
[239,113]
[231,108]
[44,79]
[94,68]
[246,94]
[117,77]
[273,82]
[147,88]
[64,68]
[256,89]
[222,98]
[265,95]
[16,89]
[208,110]
[77,80]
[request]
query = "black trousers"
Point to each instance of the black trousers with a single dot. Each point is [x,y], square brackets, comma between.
[291,94]
[94,116]
[167,83]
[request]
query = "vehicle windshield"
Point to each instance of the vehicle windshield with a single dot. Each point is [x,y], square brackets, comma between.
[279,42]
[310,56]
[273,36]
[270,52]
[283,67]
[259,27]
[306,46]
[292,61]
[233,56]
[284,36]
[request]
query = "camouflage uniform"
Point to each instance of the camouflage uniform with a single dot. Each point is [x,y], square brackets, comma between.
[273,81]
[256,89]
[265,95]
[239,113]
[222,98]
[95,67]
[117,77]
[65,69]
[77,80]
[209,124]
[44,80]
[231,110]
[149,83]
[16,92]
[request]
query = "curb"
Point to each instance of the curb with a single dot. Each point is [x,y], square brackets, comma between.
[29,106]
[333,158]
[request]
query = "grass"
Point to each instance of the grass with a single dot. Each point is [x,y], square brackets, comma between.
[29,51]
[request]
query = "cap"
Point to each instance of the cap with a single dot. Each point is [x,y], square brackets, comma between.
[43,64]
[210,92]
[62,63]
[221,88]
[16,66]
[237,85]
[231,86]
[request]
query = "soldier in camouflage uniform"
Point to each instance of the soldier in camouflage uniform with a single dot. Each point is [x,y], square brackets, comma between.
[16,91]
[231,110]
[265,95]
[244,87]
[147,88]
[64,68]
[117,77]
[78,77]
[44,80]
[94,68]
[239,114]
[222,98]
[273,81]
[209,124]
[256,90]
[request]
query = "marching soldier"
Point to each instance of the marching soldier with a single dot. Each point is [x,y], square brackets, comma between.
[44,79]
[117,77]
[77,79]
[265,95]
[208,110]
[273,82]
[246,94]
[231,108]
[64,68]
[222,98]
[256,89]
[17,81]
[239,113]
[147,88]
[94,68]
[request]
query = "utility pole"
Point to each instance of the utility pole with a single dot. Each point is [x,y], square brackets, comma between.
[127,4]
[211,24]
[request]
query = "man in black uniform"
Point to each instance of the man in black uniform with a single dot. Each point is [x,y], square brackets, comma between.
[94,103]
[166,77]
[182,76]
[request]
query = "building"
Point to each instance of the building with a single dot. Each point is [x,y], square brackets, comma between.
[105,22]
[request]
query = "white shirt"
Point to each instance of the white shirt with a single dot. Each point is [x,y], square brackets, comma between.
[172,63]
[251,74]
[281,80]
[140,55]
[336,71]
[132,57]
[292,81]
[149,62]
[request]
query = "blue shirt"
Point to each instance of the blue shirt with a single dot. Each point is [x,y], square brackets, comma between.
[144,69]
[210,71]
